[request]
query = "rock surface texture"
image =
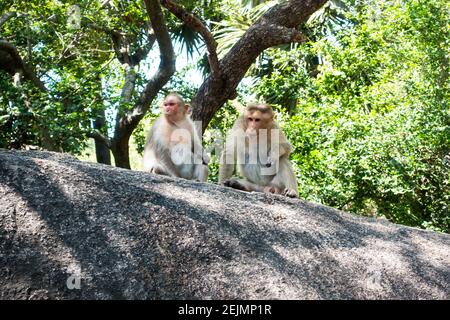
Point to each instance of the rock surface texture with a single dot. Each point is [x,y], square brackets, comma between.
[77,230]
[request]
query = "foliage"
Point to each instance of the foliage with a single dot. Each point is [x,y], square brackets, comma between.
[371,131]
[81,66]
[364,103]
[236,21]
[37,31]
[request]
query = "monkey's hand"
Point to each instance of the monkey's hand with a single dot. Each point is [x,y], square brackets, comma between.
[158,170]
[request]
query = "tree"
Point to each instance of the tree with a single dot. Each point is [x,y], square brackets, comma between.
[124,30]
[370,130]
[277,26]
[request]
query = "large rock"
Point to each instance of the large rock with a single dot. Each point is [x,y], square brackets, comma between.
[75,230]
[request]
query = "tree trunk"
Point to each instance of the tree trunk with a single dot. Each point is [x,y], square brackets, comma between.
[127,121]
[47,142]
[120,151]
[102,151]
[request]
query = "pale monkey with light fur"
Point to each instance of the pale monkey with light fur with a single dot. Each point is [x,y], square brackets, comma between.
[173,146]
[260,150]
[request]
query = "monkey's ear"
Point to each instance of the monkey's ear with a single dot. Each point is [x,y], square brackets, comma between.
[187,108]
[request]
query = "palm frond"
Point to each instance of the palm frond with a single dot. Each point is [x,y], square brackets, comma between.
[328,18]
[228,32]
[189,40]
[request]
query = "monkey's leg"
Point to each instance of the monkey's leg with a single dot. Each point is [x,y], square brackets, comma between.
[159,170]
[285,179]
[225,169]
[200,172]
[291,193]
[242,184]
[248,186]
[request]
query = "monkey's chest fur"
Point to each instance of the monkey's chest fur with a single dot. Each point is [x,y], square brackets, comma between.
[253,164]
[184,159]
[178,145]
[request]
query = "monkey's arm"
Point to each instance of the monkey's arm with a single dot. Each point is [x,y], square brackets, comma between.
[285,149]
[226,168]
[198,149]
[160,151]
[166,161]
[282,148]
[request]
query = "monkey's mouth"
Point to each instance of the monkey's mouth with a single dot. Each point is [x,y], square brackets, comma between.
[168,110]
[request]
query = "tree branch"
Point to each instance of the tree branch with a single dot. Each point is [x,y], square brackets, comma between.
[284,35]
[142,52]
[166,66]
[197,25]
[277,26]
[13,63]
[129,121]
[97,135]
[104,29]
[120,45]
[5,17]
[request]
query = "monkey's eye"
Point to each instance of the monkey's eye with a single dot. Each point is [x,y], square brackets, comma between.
[251,119]
[257,120]
[169,103]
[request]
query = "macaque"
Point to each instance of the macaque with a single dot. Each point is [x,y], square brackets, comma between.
[173,146]
[262,153]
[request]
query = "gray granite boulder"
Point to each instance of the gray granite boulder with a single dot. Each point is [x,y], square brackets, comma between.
[77,230]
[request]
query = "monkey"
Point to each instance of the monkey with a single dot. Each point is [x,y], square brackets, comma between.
[173,146]
[262,153]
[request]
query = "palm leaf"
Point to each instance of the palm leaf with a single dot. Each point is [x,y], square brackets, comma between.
[229,31]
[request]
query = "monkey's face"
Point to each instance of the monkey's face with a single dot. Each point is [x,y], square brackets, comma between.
[256,120]
[171,106]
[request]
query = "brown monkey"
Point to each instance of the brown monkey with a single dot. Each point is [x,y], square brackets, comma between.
[173,146]
[262,153]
